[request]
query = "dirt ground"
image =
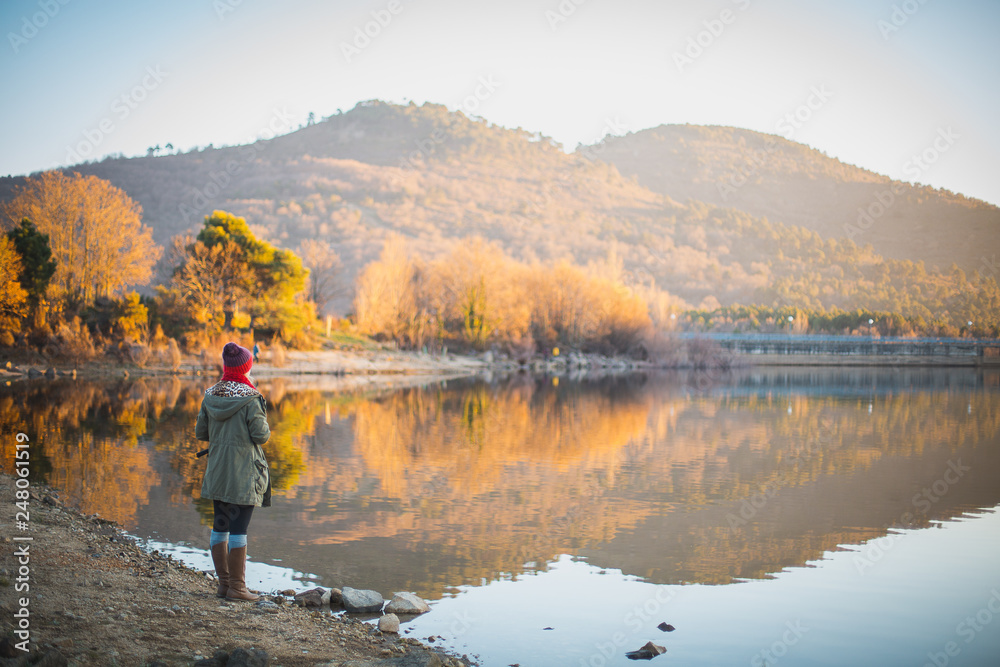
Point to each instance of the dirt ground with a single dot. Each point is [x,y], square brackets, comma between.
[98,599]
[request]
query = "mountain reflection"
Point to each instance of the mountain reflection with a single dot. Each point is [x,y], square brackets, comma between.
[675,478]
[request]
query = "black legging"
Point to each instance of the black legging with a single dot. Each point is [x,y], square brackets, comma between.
[232,519]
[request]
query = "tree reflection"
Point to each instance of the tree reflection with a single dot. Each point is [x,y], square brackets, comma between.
[474,480]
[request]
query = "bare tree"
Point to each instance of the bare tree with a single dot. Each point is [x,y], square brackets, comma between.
[324,272]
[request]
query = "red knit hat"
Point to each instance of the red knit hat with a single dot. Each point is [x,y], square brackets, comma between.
[237,358]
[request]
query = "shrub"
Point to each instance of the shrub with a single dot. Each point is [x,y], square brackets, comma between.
[278,358]
[173,354]
[138,353]
[74,342]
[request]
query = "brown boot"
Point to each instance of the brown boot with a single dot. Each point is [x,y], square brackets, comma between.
[220,556]
[237,576]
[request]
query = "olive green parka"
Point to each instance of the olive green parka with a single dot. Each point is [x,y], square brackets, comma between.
[235,427]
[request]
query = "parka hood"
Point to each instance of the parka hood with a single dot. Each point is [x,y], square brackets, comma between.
[221,408]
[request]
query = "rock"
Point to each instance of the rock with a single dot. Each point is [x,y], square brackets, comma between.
[7,648]
[389,623]
[647,652]
[317,597]
[52,658]
[336,596]
[242,657]
[415,659]
[34,373]
[50,373]
[218,659]
[666,627]
[407,603]
[361,601]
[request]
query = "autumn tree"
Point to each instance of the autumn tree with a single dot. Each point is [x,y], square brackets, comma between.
[227,270]
[13,297]
[37,265]
[478,297]
[324,272]
[95,231]
[212,281]
[385,300]
[477,290]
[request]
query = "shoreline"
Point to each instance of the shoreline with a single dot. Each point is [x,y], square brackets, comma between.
[353,369]
[95,597]
[341,369]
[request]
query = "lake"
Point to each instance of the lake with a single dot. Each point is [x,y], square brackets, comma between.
[773,516]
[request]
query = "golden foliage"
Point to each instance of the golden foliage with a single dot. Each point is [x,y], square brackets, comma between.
[13,297]
[385,301]
[95,231]
[479,297]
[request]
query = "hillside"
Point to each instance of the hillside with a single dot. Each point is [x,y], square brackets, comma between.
[435,176]
[768,176]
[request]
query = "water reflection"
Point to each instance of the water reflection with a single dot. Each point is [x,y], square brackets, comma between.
[671,478]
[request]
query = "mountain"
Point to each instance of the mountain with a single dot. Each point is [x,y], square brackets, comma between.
[435,176]
[768,176]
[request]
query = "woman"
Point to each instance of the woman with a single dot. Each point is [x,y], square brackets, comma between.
[233,419]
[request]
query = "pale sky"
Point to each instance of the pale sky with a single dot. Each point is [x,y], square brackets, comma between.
[874,82]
